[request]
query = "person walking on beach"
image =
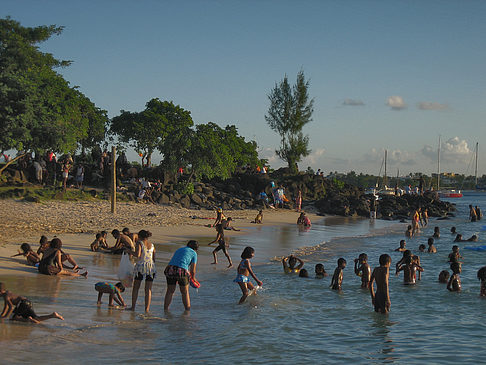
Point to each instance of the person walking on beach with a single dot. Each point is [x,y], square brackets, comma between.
[21,308]
[243,273]
[219,217]
[222,245]
[415,222]
[381,300]
[298,201]
[145,267]
[181,268]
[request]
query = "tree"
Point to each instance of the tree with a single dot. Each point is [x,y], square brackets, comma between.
[38,108]
[217,152]
[290,109]
[147,130]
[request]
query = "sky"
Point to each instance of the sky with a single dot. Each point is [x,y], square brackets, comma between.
[391,75]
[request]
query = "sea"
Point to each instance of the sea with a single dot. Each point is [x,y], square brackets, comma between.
[289,320]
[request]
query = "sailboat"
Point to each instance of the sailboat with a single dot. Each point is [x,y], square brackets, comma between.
[445,193]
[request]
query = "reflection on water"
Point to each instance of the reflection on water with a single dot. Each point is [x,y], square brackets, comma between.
[291,319]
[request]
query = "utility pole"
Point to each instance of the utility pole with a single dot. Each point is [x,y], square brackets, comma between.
[113,180]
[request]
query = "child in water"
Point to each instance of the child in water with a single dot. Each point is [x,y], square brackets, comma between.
[422,248]
[21,308]
[303,273]
[290,264]
[431,248]
[320,271]
[113,290]
[337,278]
[436,232]
[32,257]
[444,276]
[222,245]
[409,232]
[381,300]
[454,283]
[482,277]
[409,271]
[363,270]
[454,256]
[402,246]
[244,271]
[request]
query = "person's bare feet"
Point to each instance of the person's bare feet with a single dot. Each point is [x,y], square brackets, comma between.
[213,263]
[85,274]
[58,316]
[230,265]
[131,309]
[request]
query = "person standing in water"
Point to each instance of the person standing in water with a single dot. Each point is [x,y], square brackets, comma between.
[243,273]
[181,268]
[363,269]
[337,278]
[381,300]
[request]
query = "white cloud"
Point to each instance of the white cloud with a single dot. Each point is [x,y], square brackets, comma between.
[426,105]
[314,157]
[396,103]
[394,157]
[353,102]
[453,150]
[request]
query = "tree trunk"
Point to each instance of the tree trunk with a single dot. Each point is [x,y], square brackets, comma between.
[10,162]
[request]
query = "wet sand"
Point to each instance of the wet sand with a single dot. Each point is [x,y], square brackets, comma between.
[76,223]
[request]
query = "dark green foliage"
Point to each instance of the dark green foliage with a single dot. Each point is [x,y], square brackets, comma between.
[38,108]
[290,109]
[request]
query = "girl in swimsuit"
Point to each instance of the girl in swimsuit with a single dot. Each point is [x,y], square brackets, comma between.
[243,274]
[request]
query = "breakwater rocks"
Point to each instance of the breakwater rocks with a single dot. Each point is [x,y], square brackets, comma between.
[326,196]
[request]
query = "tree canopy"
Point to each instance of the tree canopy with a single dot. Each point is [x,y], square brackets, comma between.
[38,108]
[147,131]
[289,111]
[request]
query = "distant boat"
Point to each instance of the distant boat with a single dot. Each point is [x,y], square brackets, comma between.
[445,193]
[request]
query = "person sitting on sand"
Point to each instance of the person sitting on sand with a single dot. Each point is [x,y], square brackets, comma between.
[303,220]
[51,262]
[454,283]
[290,264]
[381,300]
[226,224]
[223,245]
[133,236]
[21,308]
[337,278]
[122,242]
[402,246]
[258,218]
[97,243]
[32,257]
[431,248]
[320,271]
[114,291]
[43,245]
[363,269]
[444,276]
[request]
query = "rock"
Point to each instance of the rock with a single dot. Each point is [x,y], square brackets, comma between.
[196,199]
[185,202]
[164,199]
[32,199]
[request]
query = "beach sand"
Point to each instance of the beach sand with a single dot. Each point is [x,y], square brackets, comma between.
[75,223]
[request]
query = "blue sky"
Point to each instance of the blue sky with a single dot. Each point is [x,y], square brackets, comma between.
[384,74]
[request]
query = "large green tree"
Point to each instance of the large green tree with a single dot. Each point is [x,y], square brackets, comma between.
[147,131]
[289,111]
[38,108]
[217,152]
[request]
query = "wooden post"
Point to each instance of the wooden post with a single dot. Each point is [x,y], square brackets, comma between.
[113,180]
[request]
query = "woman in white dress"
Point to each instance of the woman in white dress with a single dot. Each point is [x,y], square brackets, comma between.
[145,267]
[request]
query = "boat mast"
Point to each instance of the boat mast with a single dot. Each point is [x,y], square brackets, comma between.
[385,182]
[438,166]
[476,169]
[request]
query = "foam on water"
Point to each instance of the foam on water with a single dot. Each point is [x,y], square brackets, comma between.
[290,319]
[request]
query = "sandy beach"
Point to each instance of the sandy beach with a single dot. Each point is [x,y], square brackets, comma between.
[77,222]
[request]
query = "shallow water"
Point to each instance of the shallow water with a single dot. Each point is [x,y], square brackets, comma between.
[290,320]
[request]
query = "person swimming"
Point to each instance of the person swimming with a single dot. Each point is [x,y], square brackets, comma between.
[292,264]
